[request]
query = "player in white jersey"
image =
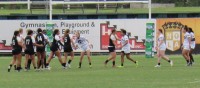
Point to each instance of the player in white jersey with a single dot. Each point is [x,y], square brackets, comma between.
[85,46]
[161,48]
[186,45]
[192,45]
[125,48]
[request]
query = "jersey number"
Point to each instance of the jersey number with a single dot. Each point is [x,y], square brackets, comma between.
[65,39]
[39,38]
[27,42]
[13,42]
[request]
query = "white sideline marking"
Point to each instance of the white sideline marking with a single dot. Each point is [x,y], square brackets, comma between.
[197,81]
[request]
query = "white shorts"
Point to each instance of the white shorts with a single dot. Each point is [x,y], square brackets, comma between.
[192,46]
[186,47]
[126,50]
[162,47]
[85,48]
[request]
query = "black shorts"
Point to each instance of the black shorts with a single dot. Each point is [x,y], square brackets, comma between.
[111,49]
[29,52]
[40,49]
[68,49]
[16,51]
[53,49]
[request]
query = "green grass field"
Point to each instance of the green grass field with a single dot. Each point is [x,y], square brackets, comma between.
[144,76]
[104,11]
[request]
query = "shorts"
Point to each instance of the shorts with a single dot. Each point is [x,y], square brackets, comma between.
[40,49]
[126,50]
[111,49]
[186,47]
[85,48]
[16,51]
[192,46]
[29,52]
[68,49]
[162,47]
[54,49]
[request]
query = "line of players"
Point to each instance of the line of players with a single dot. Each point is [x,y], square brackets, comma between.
[41,40]
[187,47]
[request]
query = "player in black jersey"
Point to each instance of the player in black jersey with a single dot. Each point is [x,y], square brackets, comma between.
[112,44]
[68,43]
[29,51]
[55,49]
[40,39]
[16,51]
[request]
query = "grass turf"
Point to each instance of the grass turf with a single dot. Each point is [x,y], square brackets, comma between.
[144,76]
[104,11]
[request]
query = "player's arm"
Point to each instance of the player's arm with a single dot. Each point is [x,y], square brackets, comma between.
[35,44]
[20,42]
[114,39]
[73,44]
[190,39]
[117,38]
[58,40]
[125,43]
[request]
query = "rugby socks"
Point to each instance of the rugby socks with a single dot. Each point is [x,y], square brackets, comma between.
[9,68]
[64,64]
[80,64]
[113,63]
[122,64]
[106,61]
[15,67]
[69,61]
[29,64]
[18,69]
[158,63]
[45,62]
[191,57]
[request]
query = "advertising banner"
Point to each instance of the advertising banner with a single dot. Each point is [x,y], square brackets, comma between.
[149,51]
[96,31]
[172,29]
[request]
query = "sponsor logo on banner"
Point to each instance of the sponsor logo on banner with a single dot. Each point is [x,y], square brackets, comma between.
[3,46]
[105,31]
[172,32]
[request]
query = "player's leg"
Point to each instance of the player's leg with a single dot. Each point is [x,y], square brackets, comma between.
[163,56]
[26,61]
[19,57]
[29,63]
[122,58]
[58,54]
[191,56]
[89,58]
[113,59]
[81,58]
[65,57]
[39,60]
[188,57]
[42,59]
[185,55]
[13,61]
[49,59]
[70,60]
[33,60]
[45,57]
[159,58]
[128,56]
